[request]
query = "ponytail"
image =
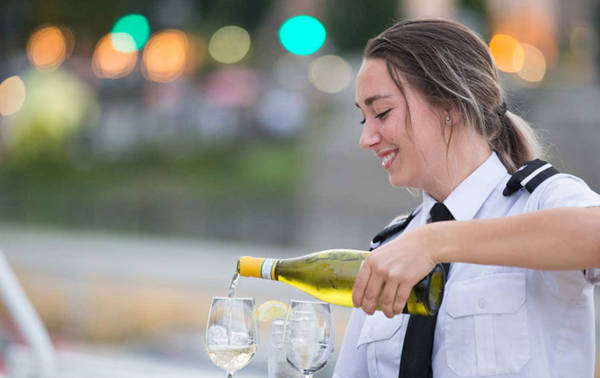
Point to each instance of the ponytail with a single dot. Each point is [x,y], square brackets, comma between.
[514,141]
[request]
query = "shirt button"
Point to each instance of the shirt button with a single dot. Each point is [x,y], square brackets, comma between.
[482,303]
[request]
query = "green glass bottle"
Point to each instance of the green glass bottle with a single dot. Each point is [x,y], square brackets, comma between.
[329,276]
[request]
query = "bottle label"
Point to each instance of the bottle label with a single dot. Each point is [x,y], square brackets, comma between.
[267,269]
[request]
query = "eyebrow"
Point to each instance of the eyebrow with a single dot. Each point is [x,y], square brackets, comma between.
[370,100]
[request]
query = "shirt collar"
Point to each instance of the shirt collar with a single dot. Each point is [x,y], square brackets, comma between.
[468,197]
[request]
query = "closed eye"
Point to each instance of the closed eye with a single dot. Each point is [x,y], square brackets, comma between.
[379,116]
[383,114]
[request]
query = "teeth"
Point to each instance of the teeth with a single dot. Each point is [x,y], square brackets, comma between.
[387,158]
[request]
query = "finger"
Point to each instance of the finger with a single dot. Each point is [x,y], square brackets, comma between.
[372,291]
[401,297]
[360,283]
[388,297]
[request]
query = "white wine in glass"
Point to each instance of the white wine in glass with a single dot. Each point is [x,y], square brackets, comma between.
[231,334]
[308,336]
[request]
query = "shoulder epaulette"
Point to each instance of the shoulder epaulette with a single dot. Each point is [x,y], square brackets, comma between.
[396,226]
[530,176]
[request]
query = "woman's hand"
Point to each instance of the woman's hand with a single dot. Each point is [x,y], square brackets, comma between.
[391,271]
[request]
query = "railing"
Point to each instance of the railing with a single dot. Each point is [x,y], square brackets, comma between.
[27,320]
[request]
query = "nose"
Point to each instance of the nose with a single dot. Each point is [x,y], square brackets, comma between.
[369,137]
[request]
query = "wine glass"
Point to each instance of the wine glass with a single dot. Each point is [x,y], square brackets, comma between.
[308,336]
[231,335]
[277,365]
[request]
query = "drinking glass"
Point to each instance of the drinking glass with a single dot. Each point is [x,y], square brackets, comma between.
[231,335]
[277,366]
[308,336]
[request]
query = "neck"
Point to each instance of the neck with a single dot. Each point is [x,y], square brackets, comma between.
[463,158]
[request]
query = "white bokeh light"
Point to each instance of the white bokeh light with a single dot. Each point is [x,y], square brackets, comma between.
[330,73]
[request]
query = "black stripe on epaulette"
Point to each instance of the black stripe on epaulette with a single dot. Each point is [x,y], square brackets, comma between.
[394,228]
[514,183]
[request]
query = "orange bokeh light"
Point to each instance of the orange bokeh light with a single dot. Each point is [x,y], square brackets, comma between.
[110,63]
[165,56]
[69,39]
[47,48]
[533,23]
[503,49]
[12,95]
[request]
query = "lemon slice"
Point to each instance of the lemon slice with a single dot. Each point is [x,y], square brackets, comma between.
[271,310]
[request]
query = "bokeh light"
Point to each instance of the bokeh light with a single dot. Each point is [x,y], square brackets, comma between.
[282,112]
[230,44]
[123,42]
[47,48]
[503,49]
[534,63]
[12,95]
[233,86]
[134,25]
[110,63]
[58,103]
[165,56]
[330,73]
[302,35]
[69,39]
[533,22]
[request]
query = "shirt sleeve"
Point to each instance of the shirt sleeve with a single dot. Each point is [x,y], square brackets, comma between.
[570,191]
[352,361]
[566,191]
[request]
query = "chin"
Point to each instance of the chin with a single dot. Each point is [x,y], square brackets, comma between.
[403,178]
[398,181]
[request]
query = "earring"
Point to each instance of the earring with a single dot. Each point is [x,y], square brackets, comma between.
[447,118]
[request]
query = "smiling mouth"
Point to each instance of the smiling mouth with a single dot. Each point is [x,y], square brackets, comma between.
[387,160]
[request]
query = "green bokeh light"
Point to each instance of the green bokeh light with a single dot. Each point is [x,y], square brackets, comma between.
[134,25]
[302,35]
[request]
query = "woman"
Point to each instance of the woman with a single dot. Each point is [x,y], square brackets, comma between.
[519,297]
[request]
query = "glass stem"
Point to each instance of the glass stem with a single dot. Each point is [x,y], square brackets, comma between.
[307,375]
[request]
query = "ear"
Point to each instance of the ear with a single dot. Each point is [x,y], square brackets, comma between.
[455,116]
[450,119]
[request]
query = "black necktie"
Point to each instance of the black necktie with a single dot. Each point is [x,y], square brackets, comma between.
[418,342]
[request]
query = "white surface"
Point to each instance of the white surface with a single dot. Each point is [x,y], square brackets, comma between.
[108,364]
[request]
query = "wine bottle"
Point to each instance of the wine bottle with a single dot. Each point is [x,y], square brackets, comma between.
[329,276]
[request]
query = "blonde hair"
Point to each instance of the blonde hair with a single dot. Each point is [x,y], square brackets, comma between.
[453,69]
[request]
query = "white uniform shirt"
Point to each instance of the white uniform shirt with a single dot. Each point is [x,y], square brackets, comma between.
[494,321]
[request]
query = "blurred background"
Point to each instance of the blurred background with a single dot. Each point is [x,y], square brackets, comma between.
[145,145]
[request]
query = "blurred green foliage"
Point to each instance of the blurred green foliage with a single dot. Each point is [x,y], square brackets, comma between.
[350,23]
[157,190]
[476,6]
[247,14]
[38,144]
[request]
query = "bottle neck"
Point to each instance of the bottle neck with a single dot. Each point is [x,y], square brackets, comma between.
[267,269]
[257,267]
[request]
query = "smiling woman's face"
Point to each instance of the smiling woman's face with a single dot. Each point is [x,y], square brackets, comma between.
[410,146]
